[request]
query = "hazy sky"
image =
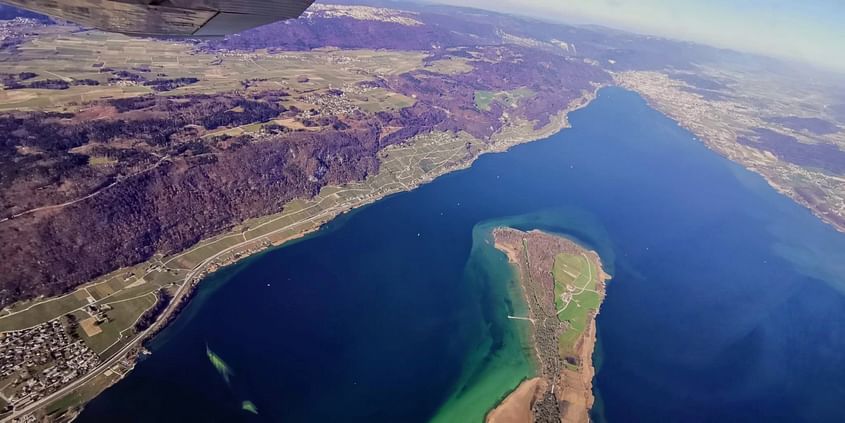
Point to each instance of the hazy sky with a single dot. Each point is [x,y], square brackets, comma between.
[807,30]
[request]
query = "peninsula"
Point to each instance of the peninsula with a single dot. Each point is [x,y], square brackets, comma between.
[563,285]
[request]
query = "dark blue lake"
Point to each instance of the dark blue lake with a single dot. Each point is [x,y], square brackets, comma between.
[726,304]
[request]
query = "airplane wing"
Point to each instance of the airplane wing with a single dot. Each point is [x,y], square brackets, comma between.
[172,18]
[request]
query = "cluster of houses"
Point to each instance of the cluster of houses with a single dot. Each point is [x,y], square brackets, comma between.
[334,102]
[37,361]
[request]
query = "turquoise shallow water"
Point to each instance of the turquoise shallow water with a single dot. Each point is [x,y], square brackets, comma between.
[727,301]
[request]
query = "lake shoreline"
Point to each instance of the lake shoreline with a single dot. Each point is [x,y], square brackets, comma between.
[504,140]
[625,182]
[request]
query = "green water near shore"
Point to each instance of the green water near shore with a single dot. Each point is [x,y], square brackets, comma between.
[492,371]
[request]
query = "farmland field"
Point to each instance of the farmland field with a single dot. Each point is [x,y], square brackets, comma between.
[575,295]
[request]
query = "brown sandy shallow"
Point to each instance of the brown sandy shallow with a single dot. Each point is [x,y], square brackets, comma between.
[516,407]
[577,385]
[511,252]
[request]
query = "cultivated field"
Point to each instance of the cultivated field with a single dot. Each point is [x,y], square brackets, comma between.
[129,292]
[111,305]
[576,296]
[84,55]
[484,99]
[111,289]
[71,56]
